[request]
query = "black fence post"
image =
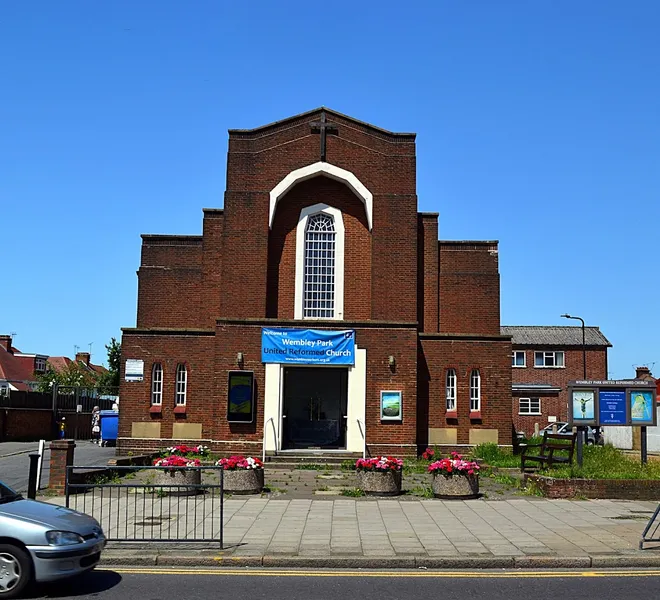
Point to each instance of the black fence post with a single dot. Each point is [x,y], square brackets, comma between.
[643,444]
[222,507]
[32,477]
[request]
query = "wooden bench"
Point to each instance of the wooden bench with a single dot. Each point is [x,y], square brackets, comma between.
[552,443]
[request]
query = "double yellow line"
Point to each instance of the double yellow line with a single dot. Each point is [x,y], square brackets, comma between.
[385,574]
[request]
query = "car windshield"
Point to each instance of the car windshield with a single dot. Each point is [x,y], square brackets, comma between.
[7,494]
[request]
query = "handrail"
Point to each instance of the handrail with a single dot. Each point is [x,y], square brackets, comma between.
[270,420]
[362,427]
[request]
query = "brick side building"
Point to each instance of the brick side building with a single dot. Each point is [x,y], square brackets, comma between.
[544,360]
[319,236]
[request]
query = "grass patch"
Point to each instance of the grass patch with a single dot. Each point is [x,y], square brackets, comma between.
[423,491]
[353,493]
[509,480]
[415,465]
[494,456]
[606,462]
[310,467]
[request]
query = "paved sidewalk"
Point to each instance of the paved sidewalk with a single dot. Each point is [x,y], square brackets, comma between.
[500,532]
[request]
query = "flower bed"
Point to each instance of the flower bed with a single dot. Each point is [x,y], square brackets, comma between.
[187,451]
[242,475]
[380,476]
[178,472]
[455,478]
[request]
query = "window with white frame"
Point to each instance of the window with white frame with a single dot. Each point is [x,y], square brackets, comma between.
[319,276]
[451,390]
[4,390]
[181,384]
[548,359]
[157,384]
[39,364]
[529,406]
[518,358]
[475,390]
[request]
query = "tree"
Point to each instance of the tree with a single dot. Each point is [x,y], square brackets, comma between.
[109,382]
[74,375]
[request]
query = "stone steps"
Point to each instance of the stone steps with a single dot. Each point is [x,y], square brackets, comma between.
[293,459]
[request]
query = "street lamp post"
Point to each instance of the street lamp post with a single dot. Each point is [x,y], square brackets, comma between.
[580,439]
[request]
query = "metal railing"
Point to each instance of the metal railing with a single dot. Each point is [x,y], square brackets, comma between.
[650,533]
[263,447]
[362,428]
[138,503]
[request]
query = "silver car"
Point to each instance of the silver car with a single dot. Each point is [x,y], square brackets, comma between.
[43,542]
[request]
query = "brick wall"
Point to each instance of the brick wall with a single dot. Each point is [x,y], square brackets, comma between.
[620,489]
[557,377]
[357,248]
[493,359]
[196,350]
[469,288]
[169,280]
[427,272]
[23,424]
[551,406]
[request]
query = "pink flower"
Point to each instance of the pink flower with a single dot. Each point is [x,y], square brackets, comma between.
[383,463]
[234,463]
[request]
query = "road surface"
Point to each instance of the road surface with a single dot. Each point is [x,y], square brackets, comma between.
[156,583]
[14,469]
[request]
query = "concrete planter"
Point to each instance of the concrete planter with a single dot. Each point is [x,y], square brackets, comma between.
[457,486]
[244,481]
[182,477]
[380,483]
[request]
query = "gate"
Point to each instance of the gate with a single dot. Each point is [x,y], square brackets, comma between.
[75,404]
[151,504]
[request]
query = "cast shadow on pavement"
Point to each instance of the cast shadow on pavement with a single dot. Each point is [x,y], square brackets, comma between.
[92,582]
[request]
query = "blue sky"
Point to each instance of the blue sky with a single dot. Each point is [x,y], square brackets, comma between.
[537,122]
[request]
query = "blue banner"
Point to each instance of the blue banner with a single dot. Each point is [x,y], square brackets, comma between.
[308,346]
[612,407]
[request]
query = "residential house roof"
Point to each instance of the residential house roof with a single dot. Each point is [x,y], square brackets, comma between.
[554,335]
[16,371]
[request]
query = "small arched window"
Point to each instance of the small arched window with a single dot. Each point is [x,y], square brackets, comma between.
[475,390]
[181,385]
[157,384]
[451,390]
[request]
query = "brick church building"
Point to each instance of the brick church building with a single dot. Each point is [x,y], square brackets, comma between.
[317,310]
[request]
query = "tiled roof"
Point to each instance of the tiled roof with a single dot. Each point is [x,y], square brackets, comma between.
[15,370]
[553,335]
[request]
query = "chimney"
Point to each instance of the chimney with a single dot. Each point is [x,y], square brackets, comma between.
[644,373]
[5,342]
[83,357]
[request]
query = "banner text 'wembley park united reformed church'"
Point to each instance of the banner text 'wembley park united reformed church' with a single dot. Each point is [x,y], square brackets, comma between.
[308,346]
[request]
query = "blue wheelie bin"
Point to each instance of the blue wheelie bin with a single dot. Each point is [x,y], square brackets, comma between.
[109,427]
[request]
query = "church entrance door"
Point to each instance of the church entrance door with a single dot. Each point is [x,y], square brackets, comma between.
[314,408]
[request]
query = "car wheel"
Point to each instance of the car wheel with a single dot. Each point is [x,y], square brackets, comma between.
[590,442]
[15,570]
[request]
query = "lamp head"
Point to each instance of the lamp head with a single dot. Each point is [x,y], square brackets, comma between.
[566,316]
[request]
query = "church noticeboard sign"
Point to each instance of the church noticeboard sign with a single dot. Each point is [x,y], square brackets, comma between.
[240,397]
[308,346]
[134,370]
[612,402]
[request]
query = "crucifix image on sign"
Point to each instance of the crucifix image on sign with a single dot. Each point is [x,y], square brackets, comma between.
[323,128]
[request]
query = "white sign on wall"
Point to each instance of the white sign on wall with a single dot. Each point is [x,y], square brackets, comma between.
[134,370]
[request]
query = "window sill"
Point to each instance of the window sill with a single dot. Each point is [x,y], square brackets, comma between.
[530,414]
[451,414]
[180,410]
[547,367]
[156,408]
[475,414]
[519,366]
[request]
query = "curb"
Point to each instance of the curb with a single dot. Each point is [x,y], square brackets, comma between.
[142,559]
[17,453]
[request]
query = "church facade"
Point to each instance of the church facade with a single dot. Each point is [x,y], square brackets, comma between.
[318,310]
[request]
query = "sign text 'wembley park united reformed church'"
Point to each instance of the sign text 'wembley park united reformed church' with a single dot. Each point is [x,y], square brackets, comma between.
[308,346]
